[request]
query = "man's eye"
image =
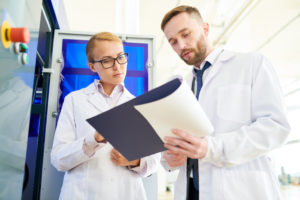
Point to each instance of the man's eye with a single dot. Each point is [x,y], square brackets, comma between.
[186,35]
[173,42]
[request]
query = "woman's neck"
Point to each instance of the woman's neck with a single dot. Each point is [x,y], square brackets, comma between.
[108,88]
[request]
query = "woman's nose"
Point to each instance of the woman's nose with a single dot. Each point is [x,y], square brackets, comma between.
[116,65]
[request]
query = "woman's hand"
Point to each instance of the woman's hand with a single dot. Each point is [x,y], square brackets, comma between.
[99,138]
[120,160]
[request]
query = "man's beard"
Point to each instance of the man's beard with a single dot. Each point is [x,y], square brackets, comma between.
[199,51]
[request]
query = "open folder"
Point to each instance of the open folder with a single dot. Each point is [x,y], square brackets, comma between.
[137,128]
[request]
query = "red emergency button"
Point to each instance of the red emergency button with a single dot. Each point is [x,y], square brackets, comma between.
[9,34]
[20,35]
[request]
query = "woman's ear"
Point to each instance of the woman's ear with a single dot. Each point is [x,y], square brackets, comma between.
[92,66]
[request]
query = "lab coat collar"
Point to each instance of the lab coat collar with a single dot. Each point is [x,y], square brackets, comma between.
[95,98]
[226,55]
[219,55]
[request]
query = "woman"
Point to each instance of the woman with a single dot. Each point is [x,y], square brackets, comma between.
[94,170]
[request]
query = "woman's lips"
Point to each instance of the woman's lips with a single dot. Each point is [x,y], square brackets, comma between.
[118,75]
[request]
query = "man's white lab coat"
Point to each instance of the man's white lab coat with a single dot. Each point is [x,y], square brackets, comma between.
[95,177]
[242,97]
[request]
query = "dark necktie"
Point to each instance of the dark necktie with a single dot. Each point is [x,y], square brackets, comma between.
[199,74]
[193,163]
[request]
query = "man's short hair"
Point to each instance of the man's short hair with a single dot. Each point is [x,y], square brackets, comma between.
[180,9]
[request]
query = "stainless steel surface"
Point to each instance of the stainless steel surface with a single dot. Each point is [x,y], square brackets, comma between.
[16,81]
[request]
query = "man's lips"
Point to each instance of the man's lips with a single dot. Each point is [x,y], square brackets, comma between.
[186,54]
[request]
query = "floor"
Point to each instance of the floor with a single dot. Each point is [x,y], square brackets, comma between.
[288,193]
[165,196]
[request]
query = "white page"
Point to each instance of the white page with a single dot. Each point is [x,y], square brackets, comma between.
[179,110]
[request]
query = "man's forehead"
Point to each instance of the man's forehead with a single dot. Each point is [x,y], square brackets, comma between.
[178,24]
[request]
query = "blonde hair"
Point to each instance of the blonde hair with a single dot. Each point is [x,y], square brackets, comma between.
[192,11]
[103,36]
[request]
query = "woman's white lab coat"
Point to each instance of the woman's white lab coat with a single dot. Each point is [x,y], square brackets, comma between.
[95,177]
[242,97]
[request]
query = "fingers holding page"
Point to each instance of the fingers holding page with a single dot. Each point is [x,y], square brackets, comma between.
[187,144]
[174,159]
[120,160]
[99,137]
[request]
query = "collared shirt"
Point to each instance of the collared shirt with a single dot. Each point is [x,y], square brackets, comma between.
[114,97]
[210,58]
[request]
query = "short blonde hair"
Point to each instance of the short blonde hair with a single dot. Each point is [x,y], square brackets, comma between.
[103,36]
[178,10]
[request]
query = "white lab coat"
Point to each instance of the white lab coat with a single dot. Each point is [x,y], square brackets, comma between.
[242,97]
[95,177]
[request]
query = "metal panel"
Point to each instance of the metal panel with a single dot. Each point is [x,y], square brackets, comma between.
[16,82]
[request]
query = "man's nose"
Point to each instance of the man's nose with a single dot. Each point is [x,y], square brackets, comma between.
[181,44]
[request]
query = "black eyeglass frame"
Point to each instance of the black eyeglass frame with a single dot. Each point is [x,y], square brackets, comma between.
[114,59]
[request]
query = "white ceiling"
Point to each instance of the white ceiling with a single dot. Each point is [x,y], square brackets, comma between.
[271,27]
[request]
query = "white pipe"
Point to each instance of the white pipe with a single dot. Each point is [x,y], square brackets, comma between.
[245,10]
[278,31]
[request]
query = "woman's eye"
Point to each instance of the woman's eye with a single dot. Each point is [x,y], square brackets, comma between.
[105,61]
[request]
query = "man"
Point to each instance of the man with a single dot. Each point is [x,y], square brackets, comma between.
[241,95]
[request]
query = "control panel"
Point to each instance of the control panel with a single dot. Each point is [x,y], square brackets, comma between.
[15,40]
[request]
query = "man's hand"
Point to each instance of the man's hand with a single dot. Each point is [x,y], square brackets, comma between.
[186,144]
[174,159]
[99,138]
[120,160]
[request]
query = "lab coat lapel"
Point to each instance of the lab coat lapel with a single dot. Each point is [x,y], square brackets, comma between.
[126,96]
[95,98]
[98,102]
[189,78]
[225,56]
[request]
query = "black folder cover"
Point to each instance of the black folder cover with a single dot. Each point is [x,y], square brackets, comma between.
[127,130]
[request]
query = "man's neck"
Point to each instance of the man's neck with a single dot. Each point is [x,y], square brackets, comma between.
[197,65]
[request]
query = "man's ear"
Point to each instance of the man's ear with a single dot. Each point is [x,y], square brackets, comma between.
[92,66]
[205,26]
